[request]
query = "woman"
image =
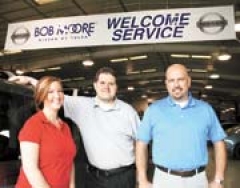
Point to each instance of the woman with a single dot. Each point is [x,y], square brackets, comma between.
[46,144]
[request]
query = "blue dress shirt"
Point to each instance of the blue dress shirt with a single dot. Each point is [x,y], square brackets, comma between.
[179,135]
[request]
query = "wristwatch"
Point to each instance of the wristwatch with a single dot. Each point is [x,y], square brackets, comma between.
[219,181]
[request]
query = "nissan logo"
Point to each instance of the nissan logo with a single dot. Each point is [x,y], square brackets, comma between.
[20,36]
[212,23]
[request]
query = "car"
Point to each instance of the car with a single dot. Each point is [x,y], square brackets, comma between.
[232,141]
[13,98]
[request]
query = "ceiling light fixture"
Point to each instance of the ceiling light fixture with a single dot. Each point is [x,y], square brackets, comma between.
[199,70]
[53,68]
[208,87]
[201,57]
[42,2]
[79,78]
[214,76]
[88,62]
[38,70]
[130,88]
[118,60]
[138,57]
[144,96]
[149,70]
[180,55]
[224,56]
[133,72]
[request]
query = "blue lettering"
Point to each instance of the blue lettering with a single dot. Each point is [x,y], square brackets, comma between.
[170,20]
[150,33]
[184,18]
[139,33]
[134,25]
[44,31]
[113,23]
[158,20]
[126,22]
[144,21]
[127,34]
[165,33]
[178,32]
[117,35]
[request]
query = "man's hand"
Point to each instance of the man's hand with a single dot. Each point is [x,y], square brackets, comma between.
[23,80]
[145,184]
[214,184]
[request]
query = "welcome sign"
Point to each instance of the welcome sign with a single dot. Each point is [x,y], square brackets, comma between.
[158,26]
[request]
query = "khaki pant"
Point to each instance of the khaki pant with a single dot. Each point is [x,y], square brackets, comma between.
[164,180]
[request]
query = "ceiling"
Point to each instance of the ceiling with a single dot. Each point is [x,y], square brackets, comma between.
[146,75]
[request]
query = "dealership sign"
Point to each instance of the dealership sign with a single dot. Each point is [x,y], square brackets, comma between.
[158,26]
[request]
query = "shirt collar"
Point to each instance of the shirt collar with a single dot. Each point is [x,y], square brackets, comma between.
[116,105]
[191,101]
[45,120]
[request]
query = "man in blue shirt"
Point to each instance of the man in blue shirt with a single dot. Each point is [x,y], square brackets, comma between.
[179,127]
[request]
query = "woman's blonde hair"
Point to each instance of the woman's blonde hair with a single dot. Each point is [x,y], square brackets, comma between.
[42,89]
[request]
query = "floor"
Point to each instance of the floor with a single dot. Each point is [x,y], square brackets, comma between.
[232,179]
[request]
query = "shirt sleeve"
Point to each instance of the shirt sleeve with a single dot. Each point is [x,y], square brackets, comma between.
[216,132]
[135,121]
[144,132]
[31,131]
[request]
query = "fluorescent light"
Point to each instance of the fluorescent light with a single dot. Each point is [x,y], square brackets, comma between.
[199,70]
[118,60]
[41,2]
[38,70]
[88,62]
[224,56]
[53,68]
[180,55]
[138,57]
[208,87]
[130,88]
[79,78]
[201,57]
[204,96]
[144,96]
[149,70]
[133,72]
[66,80]
[214,76]
[152,81]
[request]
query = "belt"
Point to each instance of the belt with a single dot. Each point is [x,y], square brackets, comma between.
[182,173]
[110,172]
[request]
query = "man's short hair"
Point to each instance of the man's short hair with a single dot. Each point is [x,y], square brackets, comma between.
[104,70]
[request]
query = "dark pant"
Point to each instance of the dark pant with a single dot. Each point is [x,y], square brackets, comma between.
[125,179]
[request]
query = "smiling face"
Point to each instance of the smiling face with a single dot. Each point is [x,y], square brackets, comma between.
[54,98]
[178,82]
[49,93]
[106,87]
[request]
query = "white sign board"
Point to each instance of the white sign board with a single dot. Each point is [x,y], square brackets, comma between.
[158,26]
